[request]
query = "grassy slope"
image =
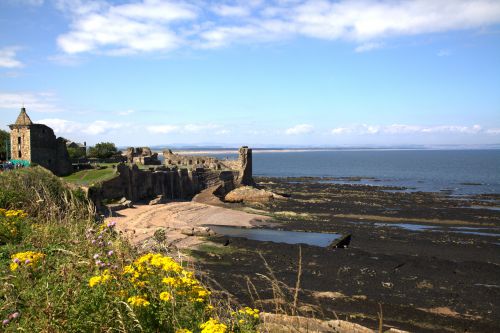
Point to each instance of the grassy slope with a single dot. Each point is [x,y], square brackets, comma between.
[90,176]
[55,296]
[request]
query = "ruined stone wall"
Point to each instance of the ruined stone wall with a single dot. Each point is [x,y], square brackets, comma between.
[136,184]
[43,146]
[191,162]
[243,165]
[142,155]
[175,182]
[38,144]
[49,151]
[245,177]
[63,165]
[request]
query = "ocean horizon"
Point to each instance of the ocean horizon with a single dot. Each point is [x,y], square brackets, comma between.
[451,171]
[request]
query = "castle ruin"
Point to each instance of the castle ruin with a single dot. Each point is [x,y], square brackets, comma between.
[242,166]
[142,155]
[36,143]
[181,177]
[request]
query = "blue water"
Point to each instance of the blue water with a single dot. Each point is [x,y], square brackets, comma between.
[277,236]
[484,231]
[423,170]
[418,170]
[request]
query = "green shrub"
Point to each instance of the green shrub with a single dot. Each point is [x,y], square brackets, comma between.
[66,272]
[11,224]
[39,193]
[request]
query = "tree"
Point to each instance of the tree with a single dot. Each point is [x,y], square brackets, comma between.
[4,144]
[103,150]
[76,153]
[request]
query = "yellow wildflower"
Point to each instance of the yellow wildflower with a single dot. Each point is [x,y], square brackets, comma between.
[165,296]
[183,330]
[128,269]
[203,293]
[138,301]
[27,259]
[12,213]
[94,280]
[100,279]
[249,312]
[213,326]
[169,281]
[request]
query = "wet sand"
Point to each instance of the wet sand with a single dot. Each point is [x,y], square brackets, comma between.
[434,278]
[140,222]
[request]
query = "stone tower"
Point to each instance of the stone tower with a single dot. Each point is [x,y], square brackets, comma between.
[20,137]
[36,143]
[245,167]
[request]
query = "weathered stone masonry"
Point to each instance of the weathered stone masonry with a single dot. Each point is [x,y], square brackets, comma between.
[172,182]
[175,184]
[36,143]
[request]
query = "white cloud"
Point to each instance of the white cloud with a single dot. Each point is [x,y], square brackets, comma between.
[225,10]
[221,36]
[368,47]
[444,53]
[452,129]
[367,20]
[356,129]
[8,57]
[66,59]
[61,126]
[163,129]
[407,129]
[493,131]
[162,25]
[64,127]
[300,129]
[155,10]
[197,128]
[188,128]
[402,129]
[341,130]
[125,113]
[123,29]
[37,102]
[101,126]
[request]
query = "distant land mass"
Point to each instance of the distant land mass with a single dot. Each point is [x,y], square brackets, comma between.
[290,148]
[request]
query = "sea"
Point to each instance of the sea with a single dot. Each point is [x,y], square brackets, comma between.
[453,172]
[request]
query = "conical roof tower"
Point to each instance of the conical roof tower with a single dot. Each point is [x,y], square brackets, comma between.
[23,119]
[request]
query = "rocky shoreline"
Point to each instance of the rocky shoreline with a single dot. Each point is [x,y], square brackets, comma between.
[431,261]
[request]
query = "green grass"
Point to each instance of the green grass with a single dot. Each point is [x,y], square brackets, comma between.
[91,176]
[55,293]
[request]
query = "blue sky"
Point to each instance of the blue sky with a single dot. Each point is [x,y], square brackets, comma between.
[282,72]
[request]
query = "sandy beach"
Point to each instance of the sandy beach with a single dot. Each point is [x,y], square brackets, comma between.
[140,222]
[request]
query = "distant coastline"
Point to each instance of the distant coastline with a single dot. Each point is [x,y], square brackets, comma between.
[229,150]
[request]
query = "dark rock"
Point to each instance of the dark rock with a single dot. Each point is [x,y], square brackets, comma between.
[341,243]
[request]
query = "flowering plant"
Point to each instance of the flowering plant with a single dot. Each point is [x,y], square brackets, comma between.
[10,224]
[26,259]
